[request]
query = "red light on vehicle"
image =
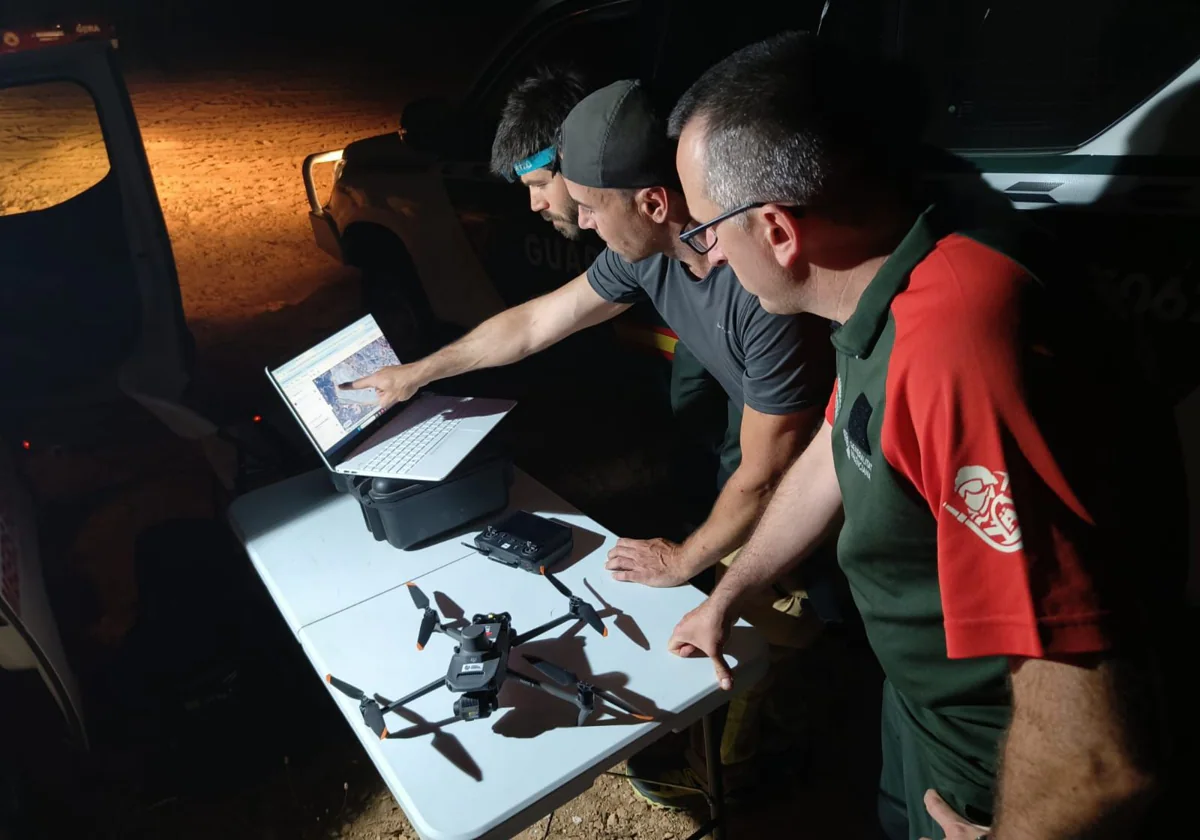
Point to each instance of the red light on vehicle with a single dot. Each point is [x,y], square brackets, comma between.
[257,418]
[26,445]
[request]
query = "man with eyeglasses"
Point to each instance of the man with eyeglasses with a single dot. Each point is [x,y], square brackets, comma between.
[618,166]
[1014,538]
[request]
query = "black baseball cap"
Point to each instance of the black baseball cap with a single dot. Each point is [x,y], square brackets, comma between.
[616,138]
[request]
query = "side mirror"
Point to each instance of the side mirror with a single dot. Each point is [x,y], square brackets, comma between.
[427,123]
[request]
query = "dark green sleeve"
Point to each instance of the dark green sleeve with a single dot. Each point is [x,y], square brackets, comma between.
[614,279]
[789,362]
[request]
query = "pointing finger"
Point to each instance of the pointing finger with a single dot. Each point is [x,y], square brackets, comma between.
[724,676]
[358,384]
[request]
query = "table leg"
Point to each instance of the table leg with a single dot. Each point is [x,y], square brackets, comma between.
[712,760]
[715,827]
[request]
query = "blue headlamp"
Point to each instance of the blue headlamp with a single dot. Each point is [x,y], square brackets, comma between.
[545,159]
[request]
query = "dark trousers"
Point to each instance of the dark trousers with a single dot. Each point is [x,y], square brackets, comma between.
[910,769]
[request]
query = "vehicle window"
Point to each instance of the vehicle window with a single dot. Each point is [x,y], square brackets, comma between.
[1028,74]
[70,304]
[599,43]
[51,146]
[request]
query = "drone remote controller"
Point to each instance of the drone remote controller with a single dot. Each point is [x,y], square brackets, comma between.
[525,541]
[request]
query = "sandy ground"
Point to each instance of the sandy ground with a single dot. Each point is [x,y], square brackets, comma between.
[225,148]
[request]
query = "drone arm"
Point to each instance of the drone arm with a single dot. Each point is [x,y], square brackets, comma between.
[537,631]
[408,698]
[451,631]
[552,690]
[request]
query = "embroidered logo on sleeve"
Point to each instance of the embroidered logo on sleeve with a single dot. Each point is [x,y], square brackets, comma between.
[987,507]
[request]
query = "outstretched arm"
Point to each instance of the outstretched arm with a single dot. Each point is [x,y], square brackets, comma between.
[505,338]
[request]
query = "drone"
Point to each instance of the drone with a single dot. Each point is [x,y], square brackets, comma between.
[479,665]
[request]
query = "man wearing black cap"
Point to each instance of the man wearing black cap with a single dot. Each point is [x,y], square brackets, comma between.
[618,167]
[525,150]
[777,370]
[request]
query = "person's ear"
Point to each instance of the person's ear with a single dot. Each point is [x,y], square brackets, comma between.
[652,203]
[783,232]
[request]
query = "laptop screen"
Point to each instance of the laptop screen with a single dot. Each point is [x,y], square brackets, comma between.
[309,382]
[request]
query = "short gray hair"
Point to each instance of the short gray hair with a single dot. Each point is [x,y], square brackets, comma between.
[792,119]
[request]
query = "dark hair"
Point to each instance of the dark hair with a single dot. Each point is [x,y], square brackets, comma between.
[798,120]
[535,109]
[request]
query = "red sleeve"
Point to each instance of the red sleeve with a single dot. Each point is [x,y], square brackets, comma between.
[1015,576]
[831,408]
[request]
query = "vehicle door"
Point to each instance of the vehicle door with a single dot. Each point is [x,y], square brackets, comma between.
[88,289]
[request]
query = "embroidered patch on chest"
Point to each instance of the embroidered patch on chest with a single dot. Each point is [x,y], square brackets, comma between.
[854,435]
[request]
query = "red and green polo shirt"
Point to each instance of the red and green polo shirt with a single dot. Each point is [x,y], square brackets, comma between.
[976,466]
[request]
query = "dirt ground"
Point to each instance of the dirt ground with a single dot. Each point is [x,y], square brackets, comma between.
[225,147]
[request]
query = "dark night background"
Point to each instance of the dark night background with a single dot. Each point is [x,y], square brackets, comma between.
[230,97]
[153,599]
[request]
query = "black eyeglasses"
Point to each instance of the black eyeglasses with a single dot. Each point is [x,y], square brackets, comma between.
[705,244]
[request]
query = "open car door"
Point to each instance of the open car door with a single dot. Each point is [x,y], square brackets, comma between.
[29,636]
[88,288]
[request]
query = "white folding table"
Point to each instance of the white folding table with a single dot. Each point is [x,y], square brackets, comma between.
[343,595]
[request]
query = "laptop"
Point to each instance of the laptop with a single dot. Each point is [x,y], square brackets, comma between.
[423,439]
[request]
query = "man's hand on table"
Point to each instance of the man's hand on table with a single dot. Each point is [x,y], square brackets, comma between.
[655,562]
[702,632]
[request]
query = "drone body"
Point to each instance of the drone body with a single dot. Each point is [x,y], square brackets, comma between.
[479,665]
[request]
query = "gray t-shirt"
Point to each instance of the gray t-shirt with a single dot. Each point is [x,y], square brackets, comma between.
[775,364]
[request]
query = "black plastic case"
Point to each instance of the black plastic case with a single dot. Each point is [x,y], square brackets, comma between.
[408,513]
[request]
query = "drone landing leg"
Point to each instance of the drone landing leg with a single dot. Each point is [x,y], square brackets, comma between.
[389,706]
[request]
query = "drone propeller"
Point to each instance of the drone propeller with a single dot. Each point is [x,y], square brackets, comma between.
[429,622]
[559,585]
[589,615]
[419,600]
[372,714]
[345,687]
[565,678]
[581,607]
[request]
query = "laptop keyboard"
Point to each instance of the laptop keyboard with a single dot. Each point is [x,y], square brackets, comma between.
[403,451]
